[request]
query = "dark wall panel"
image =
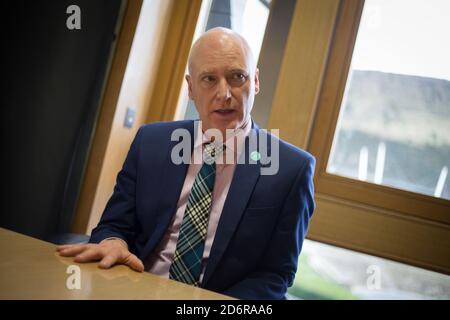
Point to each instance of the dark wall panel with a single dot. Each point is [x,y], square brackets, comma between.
[54,78]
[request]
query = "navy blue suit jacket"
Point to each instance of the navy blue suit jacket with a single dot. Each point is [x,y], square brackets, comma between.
[263,223]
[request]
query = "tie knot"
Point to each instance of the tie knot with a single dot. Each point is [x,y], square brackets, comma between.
[211,151]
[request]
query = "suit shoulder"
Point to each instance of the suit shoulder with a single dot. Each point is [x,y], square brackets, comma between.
[288,150]
[297,152]
[164,127]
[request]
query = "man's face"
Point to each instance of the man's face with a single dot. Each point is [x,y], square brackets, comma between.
[222,83]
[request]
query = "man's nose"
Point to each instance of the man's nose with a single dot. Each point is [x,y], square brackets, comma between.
[223,90]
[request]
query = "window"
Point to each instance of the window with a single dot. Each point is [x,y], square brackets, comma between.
[398,217]
[394,123]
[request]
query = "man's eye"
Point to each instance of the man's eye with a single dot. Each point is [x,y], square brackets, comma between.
[208,78]
[238,76]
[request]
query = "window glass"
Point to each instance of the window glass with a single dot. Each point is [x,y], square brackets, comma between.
[329,272]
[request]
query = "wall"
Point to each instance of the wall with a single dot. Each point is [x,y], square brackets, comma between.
[49,107]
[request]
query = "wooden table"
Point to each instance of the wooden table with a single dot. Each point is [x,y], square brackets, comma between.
[31,269]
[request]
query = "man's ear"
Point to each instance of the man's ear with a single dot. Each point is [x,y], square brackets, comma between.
[189,82]
[256,81]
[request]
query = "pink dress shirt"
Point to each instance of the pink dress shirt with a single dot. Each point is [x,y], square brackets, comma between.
[160,260]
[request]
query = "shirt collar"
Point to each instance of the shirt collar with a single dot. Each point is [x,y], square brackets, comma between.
[233,143]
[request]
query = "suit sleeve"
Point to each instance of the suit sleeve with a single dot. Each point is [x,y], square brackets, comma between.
[118,218]
[278,268]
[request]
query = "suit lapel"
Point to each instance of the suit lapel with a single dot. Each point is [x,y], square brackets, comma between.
[173,176]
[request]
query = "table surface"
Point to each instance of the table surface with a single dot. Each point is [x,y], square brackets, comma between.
[31,269]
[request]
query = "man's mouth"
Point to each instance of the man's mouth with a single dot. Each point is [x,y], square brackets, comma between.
[224,111]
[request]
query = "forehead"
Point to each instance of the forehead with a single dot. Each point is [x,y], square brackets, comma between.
[219,56]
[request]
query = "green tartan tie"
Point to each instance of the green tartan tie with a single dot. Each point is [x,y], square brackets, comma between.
[187,264]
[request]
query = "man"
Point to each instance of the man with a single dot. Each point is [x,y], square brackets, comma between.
[221,226]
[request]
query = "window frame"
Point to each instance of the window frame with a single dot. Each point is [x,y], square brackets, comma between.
[328,110]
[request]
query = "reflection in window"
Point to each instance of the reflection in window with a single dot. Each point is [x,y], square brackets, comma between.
[328,272]
[394,125]
[247,17]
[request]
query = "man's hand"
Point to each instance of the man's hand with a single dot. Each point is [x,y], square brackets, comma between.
[109,253]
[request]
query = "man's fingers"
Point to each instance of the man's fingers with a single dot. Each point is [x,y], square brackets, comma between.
[64,246]
[134,263]
[109,255]
[73,250]
[67,246]
[93,254]
[108,261]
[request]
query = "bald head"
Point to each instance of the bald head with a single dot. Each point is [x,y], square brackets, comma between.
[220,39]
